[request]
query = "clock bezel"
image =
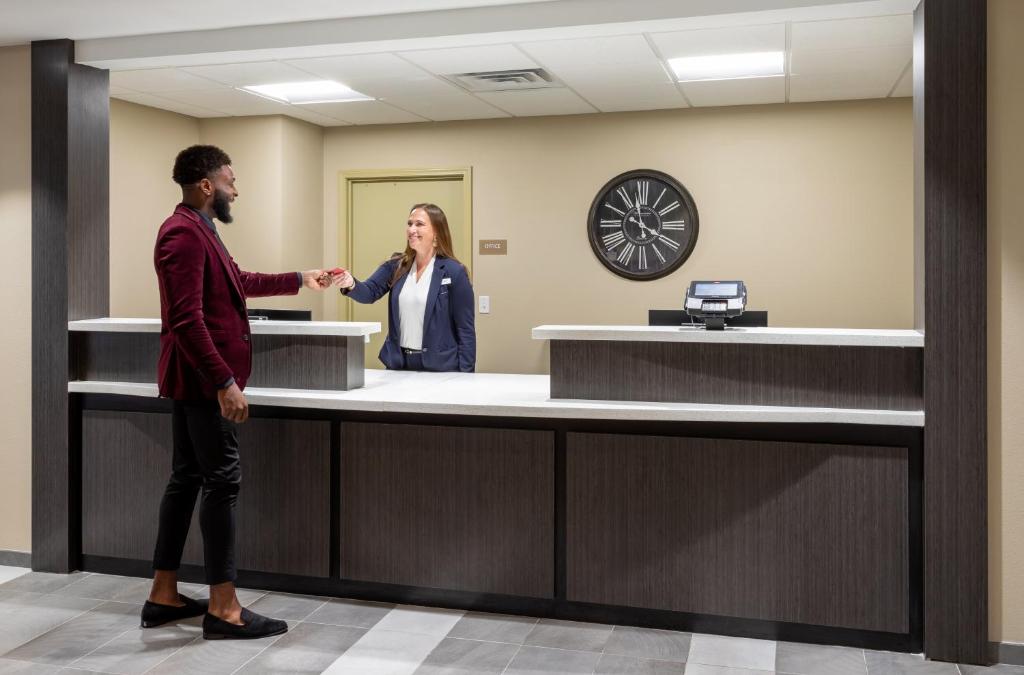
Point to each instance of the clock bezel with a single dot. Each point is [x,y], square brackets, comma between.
[592,231]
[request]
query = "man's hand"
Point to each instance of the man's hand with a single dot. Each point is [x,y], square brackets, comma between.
[317,280]
[233,405]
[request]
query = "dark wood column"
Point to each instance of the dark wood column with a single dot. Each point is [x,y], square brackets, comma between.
[949,120]
[70,275]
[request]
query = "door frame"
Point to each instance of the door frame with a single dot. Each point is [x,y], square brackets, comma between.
[347,180]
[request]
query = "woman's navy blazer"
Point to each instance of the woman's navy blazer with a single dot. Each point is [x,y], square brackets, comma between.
[449,332]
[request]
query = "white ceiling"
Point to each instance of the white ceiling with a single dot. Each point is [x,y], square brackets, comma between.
[846,58]
[609,55]
[22,21]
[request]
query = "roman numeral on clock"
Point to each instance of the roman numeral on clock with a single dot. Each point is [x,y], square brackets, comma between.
[668,242]
[626,253]
[669,209]
[658,253]
[611,223]
[621,213]
[614,239]
[655,204]
[625,196]
[673,225]
[642,258]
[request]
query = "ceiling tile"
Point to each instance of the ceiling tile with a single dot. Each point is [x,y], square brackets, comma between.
[885,62]
[365,112]
[360,68]
[731,40]
[248,74]
[156,80]
[624,57]
[879,31]
[905,87]
[470,59]
[532,102]
[849,86]
[619,98]
[300,112]
[829,75]
[750,91]
[115,90]
[454,105]
[231,101]
[166,104]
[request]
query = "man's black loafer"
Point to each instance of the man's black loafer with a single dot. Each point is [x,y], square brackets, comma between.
[154,614]
[254,627]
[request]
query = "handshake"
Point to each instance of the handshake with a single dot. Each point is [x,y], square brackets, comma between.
[318,280]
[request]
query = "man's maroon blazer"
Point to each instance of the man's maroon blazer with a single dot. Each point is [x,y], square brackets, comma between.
[204,331]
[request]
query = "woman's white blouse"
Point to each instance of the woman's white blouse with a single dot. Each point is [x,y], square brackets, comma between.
[412,307]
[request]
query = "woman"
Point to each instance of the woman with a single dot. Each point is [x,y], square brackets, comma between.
[430,309]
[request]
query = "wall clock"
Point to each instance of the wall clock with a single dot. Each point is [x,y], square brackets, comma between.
[642,224]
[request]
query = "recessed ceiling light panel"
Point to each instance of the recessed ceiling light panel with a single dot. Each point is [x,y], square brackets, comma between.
[729,66]
[313,91]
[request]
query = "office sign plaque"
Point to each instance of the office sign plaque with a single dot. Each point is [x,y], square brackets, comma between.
[494,247]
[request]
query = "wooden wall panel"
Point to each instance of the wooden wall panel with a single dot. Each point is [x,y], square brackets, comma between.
[448,507]
[879,378]
[794,532]
[283,508]
[279,361]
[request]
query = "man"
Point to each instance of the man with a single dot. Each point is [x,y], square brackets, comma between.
[205,360]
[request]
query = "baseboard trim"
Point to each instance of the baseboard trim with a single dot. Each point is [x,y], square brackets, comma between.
[1010,653]
[15,558]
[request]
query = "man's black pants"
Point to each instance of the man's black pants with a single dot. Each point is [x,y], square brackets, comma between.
[205,458]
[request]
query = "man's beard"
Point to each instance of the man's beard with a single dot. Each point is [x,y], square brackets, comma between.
[221,206]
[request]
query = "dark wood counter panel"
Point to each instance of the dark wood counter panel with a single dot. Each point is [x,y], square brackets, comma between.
[783,531]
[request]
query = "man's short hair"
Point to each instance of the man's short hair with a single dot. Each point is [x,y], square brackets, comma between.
[198,162]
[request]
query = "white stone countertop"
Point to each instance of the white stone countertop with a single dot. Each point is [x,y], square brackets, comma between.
[258,327]
[839,337]
[500,395]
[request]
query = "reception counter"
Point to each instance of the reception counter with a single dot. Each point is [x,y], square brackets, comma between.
[482,491]
[834,368]
[306,354]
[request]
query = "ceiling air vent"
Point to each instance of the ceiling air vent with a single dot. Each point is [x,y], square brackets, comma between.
[506,80]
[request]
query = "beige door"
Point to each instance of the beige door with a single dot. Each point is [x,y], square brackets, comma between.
[377,213]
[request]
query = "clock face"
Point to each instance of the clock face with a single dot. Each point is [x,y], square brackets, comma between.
[642,225]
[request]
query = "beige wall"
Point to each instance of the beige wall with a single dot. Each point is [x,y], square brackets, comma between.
[1006,319]
[278,215]
[812,205]
[143,144]
[15,298]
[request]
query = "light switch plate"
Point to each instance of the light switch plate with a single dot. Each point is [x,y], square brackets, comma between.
[485,304]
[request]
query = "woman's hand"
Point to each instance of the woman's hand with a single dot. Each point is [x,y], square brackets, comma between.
[345,280]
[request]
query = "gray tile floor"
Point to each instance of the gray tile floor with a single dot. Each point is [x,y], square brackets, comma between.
[89,623]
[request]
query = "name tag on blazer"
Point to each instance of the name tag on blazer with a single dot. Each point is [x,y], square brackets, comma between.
[446,281]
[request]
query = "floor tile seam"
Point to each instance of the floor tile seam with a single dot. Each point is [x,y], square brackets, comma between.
[355,644]
[648,658]
[338,625]
[565,649]
[719,665]
[312,612]
[161,661]
[124,632]
[265,648]
[85,575]
[51,629]
[492,642]
[514,655]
